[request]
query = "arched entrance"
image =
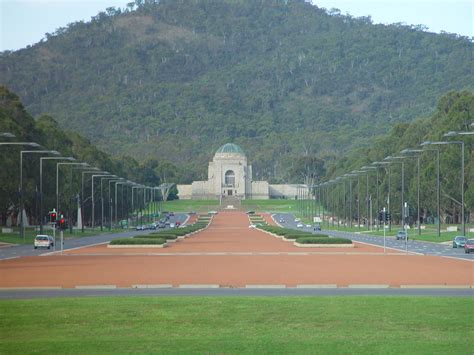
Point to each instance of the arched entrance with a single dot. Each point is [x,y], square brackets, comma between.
[229,182]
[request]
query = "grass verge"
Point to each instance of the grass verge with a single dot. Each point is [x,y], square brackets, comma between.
[404,325]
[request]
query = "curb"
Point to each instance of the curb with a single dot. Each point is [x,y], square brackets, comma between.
[317,286]
[95,287]
[153,286]
[199,286]
[265,286]
[369,286]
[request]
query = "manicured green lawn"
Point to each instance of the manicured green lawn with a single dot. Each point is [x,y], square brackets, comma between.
[276,205]
[202,206]
[403,325]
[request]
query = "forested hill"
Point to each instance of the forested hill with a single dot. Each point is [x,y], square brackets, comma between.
[176,79]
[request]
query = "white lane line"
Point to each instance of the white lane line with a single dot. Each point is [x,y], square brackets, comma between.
[457,258]
[198,286]
[381,246]
[95,287]
[265,286]
[11,257]
[84,246]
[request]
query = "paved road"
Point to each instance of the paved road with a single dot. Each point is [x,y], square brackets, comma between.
[425,248]
[28,250]
[27,294]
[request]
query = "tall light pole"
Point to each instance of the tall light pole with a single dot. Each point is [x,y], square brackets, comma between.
[392,160]
[41,184]
[92,194]
[110,200]
[57,180]
[438,187]
[91,170]
[461,134]
[102,198]
[417,153]
[22,226]
[368,168]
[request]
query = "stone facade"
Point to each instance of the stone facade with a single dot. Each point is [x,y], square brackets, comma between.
[229,174]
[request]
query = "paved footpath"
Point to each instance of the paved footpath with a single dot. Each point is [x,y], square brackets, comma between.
[229,254]
[413,246]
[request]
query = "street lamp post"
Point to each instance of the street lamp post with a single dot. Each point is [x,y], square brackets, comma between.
[110,201]
[92,195]
[41,184]
[368,168]
[102,199]
[392,159]
[22,224]
[57,180]
[417,156]
[453,134]
[438,193]
[92,170]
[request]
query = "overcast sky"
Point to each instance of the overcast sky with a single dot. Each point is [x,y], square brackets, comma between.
[25,22]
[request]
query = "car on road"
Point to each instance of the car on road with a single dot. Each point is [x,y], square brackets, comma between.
[317,227]
[44,241]
[140,228]
[299,225]
[250,212]
[162,225]
[459,241]
[172,225]
[402,235]
[308,226]
[469,246]
[297,220]
[281,220]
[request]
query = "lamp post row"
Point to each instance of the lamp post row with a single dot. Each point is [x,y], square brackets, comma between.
[86,169]
[406,154]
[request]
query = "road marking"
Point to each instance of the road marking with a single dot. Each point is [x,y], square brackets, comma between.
[95,287]
[153,286]
[11,257]
[31,288]
[436,286]
[198,286]
[265,286]
[84,246]
[368,286]
[457,257]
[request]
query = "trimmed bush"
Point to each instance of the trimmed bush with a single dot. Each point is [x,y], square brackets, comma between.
[297,236]
[323,240]
[138,241]
[159,236]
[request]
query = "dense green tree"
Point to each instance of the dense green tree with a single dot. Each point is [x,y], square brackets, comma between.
[179,78]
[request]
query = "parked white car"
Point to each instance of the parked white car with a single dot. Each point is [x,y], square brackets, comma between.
[44,241]
[300,225]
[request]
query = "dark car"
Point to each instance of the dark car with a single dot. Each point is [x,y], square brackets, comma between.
[317,227]
[459,241]
[469,246]
[250,212]
[402,235]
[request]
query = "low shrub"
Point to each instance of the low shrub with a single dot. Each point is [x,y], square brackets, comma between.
[322,240]
[298,235]
[138,241]
[159,235]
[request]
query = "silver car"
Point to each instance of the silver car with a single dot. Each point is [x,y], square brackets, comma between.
[459,241]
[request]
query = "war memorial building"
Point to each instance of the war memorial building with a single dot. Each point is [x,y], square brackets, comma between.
[229,174]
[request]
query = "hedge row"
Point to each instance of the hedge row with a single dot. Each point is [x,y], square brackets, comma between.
[138,241]
[303,237]
[323,240]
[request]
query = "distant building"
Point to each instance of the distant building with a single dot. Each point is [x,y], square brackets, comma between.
[229,174]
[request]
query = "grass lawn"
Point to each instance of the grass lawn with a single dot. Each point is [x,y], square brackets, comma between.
[190,205]
[428,235]
[30,235]
[276,205]
[228,325]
